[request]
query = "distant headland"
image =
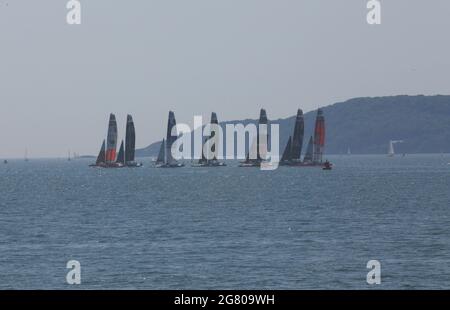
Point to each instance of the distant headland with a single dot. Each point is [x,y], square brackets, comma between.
[366,125]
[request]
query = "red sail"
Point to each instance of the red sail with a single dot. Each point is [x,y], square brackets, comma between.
[319,137]
[111,141]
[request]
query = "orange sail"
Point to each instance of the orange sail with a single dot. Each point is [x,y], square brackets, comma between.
[319,137]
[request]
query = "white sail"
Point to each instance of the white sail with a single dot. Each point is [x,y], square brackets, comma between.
[391,151]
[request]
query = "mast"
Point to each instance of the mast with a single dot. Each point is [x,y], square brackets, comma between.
[319,137]
[111,145]
[309,151]
[299,131]
[287,151]
[121,155]
[130,140]
[102,154]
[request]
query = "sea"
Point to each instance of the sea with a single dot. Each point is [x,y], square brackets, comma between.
[227,227]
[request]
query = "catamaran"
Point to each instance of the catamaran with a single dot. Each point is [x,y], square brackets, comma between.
[292,152]
[314,152]
[130,144]
[213,141]
[107,156]
[165,158]
[261,144]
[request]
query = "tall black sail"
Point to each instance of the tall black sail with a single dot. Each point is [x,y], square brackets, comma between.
[169,138]
[309,151]
[297,141]
[213,139]
[287,151]
[101,158]
[121,155]
[262,143]
[130,140]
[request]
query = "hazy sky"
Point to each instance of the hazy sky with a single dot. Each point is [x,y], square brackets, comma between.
[58,83]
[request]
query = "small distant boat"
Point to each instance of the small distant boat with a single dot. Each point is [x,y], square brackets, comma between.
[327,165]
[165,158]
[391,152]
[5,161]
[204,162]
[26,155]
[68,156]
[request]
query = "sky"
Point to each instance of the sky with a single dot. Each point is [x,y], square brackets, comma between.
[59,82]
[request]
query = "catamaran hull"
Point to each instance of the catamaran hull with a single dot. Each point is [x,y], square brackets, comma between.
[178,165]
[112,165]
[218,164]
[133,165]
[301,164]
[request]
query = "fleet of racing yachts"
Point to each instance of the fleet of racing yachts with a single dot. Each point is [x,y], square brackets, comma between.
[108,156]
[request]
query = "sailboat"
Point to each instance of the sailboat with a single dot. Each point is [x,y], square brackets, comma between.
[165,158]
[107,156]
[314,152]
[130,144]
[26,155]
[293,150]
[68,156]
[316,145]
[261,144]
[319,138]
[213,141]
[391,151]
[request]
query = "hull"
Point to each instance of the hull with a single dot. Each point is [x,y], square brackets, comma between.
[177,165]
[303,164]
[215,164]
[133,165]
[250,163]
[107,165]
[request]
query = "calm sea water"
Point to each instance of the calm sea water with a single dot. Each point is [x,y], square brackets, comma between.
[227,228]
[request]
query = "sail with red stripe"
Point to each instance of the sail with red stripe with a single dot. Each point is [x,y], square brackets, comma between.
[319,137]
[111,141]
